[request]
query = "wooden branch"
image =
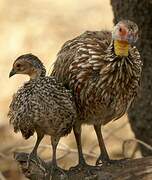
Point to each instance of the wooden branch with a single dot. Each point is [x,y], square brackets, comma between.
[136,169]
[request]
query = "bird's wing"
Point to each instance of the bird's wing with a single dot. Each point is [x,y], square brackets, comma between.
[81,56]
[80,60]
[20,112]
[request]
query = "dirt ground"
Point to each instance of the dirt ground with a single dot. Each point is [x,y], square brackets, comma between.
[41,27]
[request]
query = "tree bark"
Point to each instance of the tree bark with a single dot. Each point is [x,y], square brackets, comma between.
[137,169]
[140,116]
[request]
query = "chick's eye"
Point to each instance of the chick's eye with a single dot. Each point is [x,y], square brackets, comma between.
[18,65]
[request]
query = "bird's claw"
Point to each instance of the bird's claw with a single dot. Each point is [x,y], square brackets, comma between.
[83,166]
[102,160]
[107,161]
[32,156]
[55,168]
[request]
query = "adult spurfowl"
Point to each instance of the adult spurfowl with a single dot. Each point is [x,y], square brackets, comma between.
[103,70]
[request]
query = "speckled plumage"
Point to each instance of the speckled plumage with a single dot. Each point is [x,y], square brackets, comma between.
[41,105]
[103,83]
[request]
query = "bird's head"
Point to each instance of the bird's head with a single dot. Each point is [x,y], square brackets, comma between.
[28,64]
[124,34]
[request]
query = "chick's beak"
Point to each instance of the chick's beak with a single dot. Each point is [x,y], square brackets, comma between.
[13,72]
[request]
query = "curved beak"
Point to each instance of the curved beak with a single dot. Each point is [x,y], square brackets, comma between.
[13,72]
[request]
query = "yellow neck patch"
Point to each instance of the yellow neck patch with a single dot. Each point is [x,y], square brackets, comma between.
[121,48]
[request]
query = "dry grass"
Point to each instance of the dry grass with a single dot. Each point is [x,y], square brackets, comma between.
[41,27]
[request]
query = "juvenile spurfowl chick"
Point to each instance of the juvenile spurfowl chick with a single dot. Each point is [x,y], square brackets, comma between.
[41,105]
[103,70]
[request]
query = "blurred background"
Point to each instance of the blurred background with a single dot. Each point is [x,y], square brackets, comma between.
[41,27]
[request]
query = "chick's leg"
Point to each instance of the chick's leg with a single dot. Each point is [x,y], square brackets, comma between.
[33,154]
[54,167]
[104,157]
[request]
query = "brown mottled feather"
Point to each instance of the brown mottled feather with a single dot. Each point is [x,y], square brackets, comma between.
[103,84]
[42,104]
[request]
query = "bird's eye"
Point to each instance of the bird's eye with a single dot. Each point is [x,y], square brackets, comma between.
[120,29]
[18,65]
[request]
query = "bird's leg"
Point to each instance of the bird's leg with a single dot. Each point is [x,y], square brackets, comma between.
[82,163]
[104,157]
[54,142]
[77,133]
[33,154]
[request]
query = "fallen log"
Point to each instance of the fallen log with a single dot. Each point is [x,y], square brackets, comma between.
[135,169]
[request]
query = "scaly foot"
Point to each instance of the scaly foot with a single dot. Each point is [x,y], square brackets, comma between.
[55,168]
[32,156]
[84,166]
[106,161]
